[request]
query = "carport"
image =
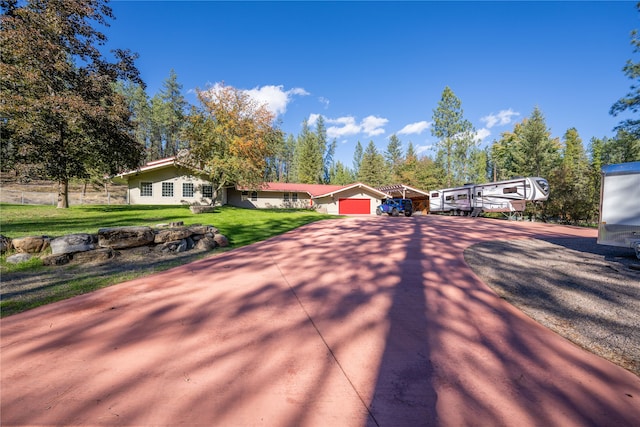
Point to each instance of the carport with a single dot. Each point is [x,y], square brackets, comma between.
[419,198]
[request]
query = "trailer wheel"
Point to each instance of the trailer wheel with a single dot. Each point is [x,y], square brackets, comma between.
[394,212]
[378,211]
[407,213]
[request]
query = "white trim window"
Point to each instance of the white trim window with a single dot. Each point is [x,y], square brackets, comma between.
[167,189]
[294,197]
[244,195]
[254,196]
[187,189]
[286,197]
[207,191]
[146,189]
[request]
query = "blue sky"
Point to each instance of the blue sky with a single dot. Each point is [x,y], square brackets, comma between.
[373,69]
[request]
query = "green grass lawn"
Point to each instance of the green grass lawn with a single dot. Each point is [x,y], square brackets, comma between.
[241,226]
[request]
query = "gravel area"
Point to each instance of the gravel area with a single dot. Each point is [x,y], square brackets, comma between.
[587,293]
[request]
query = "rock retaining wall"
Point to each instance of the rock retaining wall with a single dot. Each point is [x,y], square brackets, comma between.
[85,247]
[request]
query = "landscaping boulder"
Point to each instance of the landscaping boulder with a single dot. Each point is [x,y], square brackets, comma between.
[221,240]
[203,229]
[172,234]
[31,244]
[171,246]
[182,246]
[125,237]
[101,254]
[201,209]
[18,258]
[190,243]
[206,243]
[57,259]
[74,243]
[5,244]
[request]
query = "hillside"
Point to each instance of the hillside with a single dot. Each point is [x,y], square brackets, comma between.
[43,192]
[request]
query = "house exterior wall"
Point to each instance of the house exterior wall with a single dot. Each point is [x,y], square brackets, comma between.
[168,176]
[267,200]
[331,205]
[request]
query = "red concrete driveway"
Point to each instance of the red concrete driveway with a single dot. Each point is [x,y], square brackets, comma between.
[369,321]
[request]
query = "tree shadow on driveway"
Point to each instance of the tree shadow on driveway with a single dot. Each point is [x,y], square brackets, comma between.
[364,321]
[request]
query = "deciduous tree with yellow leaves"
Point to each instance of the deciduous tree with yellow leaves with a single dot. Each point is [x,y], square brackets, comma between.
[230,137]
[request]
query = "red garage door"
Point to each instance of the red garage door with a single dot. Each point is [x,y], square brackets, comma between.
[354,206]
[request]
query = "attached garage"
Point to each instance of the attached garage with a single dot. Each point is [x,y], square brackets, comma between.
[354,206]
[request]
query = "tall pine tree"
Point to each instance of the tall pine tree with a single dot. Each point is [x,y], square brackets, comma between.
[455,138]
[372,168]
[534,152]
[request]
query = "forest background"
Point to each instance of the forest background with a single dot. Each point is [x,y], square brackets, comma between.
[69,113]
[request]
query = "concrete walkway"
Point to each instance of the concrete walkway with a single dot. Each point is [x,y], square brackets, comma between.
[369,321]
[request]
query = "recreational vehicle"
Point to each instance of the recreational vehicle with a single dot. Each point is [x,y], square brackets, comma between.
[501,196]
[619,223]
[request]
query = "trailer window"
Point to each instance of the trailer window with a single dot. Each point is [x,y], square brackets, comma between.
[448,198]
[462,196]
[509,190]
[479,193]
[435,195]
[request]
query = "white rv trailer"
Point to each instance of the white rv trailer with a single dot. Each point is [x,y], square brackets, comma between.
[501,196]
[620,206]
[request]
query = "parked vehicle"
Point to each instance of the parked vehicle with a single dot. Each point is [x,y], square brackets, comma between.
[619,223]
[501,196]
[395,207]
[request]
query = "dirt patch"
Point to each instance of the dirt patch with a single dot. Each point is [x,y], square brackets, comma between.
[587,293]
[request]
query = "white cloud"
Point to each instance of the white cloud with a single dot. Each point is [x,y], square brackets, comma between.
[503,118]
[422,148]
[275,97]
[372,125]
[313,119]
[324,101]
[347,125]
[482,134]
[414,128]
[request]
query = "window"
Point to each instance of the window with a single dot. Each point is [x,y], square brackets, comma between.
[167,189]
[479,193]
[286,197]
[207,191]
[146,189]
[294,197]
[435,195]
[254,196]
[187,189]
[462,196]
[245,195]
[510,190]
[448,198]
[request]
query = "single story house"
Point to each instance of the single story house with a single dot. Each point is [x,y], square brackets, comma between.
[355,198]
[168,182]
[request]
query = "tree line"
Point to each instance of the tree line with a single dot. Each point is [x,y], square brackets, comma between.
[69,112]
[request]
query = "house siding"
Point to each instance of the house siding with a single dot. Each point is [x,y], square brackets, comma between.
[267,200]
[174,175]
